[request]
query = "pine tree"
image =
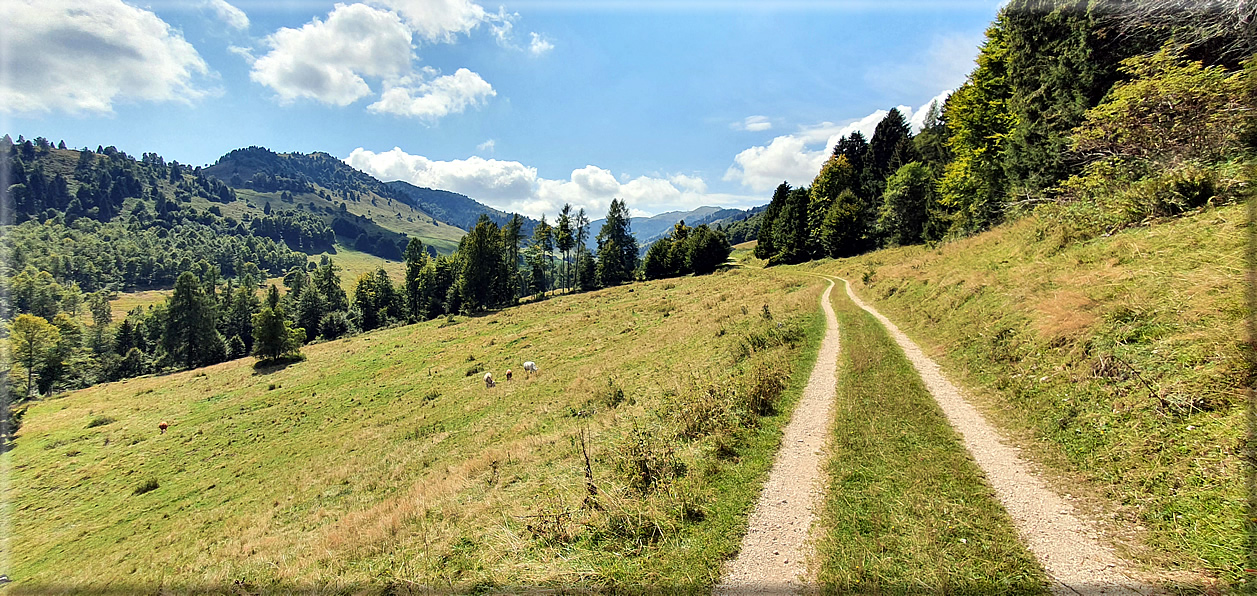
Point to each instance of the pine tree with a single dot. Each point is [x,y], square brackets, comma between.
[565,240]
[191,338]
[766,243]
[483,275]
[617,248]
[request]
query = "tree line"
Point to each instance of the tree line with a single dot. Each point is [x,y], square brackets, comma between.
[1096,115]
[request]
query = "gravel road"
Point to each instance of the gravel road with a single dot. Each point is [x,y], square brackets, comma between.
[774,553]
[1068,546]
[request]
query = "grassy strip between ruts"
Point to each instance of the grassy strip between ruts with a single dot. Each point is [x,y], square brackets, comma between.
[907,510]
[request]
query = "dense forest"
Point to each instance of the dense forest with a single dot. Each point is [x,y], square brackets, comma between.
[1095,115]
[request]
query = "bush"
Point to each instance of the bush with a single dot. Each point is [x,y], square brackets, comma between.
[146,486]
[645,461]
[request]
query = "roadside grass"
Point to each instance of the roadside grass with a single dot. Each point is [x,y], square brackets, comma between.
[906,510]
[1118,363]
[378,465]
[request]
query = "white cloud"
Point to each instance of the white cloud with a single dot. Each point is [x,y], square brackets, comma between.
[943,65]
[539,45]
[514,187]
[229,14]
[753,124]
[83,55]
[797,158]
[918,117]
[432,99]
[327,60]
[361,49]
[487,146]
[438,20]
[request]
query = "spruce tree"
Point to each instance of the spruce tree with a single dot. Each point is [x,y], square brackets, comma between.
[617,248]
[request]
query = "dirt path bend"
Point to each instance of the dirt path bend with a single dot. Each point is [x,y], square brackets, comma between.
[774,553]
[1066,545]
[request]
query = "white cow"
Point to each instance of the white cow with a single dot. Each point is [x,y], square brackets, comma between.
[530,367]
[488,380]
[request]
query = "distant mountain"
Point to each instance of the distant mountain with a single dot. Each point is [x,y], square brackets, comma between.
[649,229]
[451,207]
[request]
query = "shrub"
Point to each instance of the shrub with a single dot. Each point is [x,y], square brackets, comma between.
[146,486]
[645,461]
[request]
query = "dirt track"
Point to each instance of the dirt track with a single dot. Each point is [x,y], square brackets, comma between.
[1066,545]
[775,550]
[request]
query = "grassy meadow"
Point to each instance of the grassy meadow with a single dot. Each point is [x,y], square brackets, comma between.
[382,462]
[1117,363]
[907,511]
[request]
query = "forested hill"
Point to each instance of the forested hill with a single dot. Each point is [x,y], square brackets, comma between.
[105,219]
[263,170]
[453,208]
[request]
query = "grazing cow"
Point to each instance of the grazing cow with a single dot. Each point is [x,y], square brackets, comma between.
[488,381]
[508,374]
[530,367]
[163,426]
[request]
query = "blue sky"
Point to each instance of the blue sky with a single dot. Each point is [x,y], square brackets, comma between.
[521,105]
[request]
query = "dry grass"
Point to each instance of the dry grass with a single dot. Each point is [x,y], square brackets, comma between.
[377,463]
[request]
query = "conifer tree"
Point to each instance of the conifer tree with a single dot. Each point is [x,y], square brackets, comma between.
[617,248]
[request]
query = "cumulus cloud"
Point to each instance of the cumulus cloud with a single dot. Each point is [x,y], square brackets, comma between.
[514,187]
[327,60]
[753,124]
[364,48]
[539,45]
[797,158]
[432,99]
[438,20]
[229,14]
[943,65]
[83,55]
[487,146]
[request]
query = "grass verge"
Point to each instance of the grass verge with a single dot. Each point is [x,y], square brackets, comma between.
[907,511]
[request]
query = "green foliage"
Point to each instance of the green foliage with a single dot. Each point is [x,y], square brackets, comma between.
[484,279]
[905,205]
[32,339]
[687,250]
[148,485]
[647,461]
[974,185]
[766,247]
[841,230]
[273,338]
[191,338]
[617,247]
[1171,111]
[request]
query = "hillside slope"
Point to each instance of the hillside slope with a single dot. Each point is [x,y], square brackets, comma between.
[383,462]
[1118,363]
[454,208]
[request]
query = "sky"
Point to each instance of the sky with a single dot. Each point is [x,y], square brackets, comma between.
[524,106]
